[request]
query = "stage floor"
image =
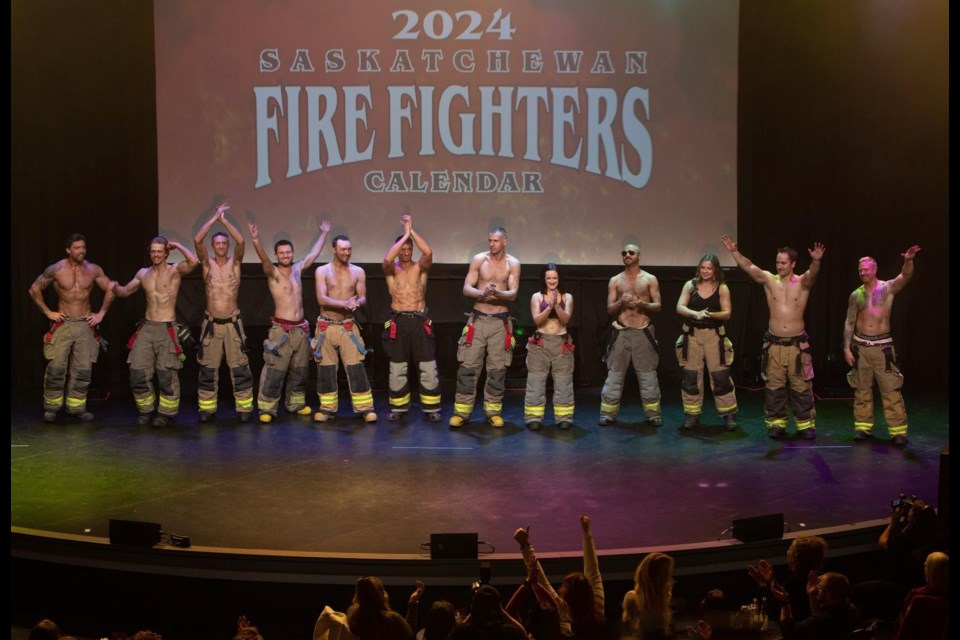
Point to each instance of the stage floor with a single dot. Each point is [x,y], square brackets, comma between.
[353,488]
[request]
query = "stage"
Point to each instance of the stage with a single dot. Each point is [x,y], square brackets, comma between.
[347,487]
[283,517]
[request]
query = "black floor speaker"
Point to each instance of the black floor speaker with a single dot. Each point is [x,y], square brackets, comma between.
[759,528]
[459,546]
[134,533]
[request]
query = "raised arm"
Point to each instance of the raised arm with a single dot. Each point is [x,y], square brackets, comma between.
[234,233]
[317,247]
[808,279]
[36,292]
[906,272]
[756,273]
[591,565]
[268,267]
[202,234]
[849,325]
[426,253]
[189,262]
[522,536]
[394,251]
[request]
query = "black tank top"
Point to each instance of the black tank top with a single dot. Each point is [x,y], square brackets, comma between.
[711,303]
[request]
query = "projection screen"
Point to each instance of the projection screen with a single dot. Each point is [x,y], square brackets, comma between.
[577,126]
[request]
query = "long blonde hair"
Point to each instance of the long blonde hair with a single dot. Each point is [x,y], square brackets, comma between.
[649,608]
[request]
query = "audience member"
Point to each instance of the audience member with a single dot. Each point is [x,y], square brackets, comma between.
[806,554]
[440,620]
[370,616]
[580,601]
[832,617]
[646,608]
[45,629]
[246,631]
[926,609]
[487,619]
[542,618]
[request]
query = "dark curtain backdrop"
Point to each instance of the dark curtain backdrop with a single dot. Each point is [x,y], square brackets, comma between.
[843,139]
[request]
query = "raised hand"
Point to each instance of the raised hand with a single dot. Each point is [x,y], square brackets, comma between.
[522,535]
[909,253]
[417,592]
[253,231]
[325,226]
[585,523]
[728,242]
[817,252]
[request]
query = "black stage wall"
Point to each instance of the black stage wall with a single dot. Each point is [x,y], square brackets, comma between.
[843,139]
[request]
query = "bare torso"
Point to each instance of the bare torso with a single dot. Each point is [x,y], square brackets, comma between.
[787,299]
[407,285]
[341,284]
[222,284]
[73,283]
[552,325]
[633,286]
[287,290]
[496,272]
[160,286]
[874,308]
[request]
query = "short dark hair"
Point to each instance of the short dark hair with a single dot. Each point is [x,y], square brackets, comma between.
[280,243]
[219,233]
[499,229]
[338,238]
[409,240]
[74,237]
[791,253]
[160,240]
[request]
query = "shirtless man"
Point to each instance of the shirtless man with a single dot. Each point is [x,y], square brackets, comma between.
[786,345]
[341,290]
[408,334]
[221,334]
[286,351]
[492,281]
[72,343]
[155,347]
[632,295]
[868,348]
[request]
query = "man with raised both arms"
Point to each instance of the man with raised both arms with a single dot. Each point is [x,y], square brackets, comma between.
[155,346]
[71,345]
[408,333]
[868,348]
[632,295]
[286,351]
[221,334]
[341,290]
[492,281]
[787,362]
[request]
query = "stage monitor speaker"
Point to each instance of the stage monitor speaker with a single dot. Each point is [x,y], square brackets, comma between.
[133,533]
[759,528]
[454,546]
